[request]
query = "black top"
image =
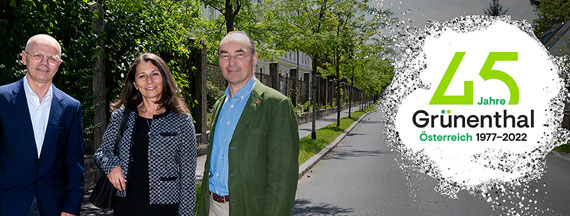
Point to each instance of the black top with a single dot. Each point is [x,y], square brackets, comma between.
[138,199]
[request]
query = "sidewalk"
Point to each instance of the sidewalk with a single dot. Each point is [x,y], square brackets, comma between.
[304,130]
[88,209]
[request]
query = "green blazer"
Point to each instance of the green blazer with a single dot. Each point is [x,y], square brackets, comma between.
[263,156]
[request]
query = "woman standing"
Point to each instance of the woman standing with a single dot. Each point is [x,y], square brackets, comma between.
[154,169]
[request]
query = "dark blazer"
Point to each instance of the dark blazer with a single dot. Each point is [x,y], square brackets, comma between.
[171,157]
[56,178]
[263,156]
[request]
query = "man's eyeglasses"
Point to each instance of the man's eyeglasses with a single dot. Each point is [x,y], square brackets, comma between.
[38,57]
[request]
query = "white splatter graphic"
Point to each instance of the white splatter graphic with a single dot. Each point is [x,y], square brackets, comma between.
[497,171]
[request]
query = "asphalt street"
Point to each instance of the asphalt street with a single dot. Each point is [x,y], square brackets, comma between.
[361,176]
[88,209]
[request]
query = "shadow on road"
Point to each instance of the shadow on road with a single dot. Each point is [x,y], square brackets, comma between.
[328,119]
[372,122]
[305,207]
[355,153]
[356,134]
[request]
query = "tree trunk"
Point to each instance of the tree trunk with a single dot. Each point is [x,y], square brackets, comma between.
[203,93]
[337,56]
[313,97]
[337,90]
[350,93]
[229,15]
[99,92]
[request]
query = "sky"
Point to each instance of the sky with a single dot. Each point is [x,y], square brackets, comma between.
[419,11]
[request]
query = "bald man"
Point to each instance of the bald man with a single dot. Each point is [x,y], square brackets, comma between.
[41,139]
[252,164]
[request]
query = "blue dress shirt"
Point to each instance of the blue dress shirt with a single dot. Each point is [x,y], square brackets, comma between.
[225,127]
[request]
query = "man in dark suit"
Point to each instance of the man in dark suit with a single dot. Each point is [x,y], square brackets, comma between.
[252,166]
[41,139]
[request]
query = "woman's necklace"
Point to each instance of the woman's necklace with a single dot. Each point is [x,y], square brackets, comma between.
[148,121]
[148,124]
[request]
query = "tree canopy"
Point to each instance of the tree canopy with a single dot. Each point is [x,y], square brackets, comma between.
[496,9]
[67,21]
[334,33]
[331,32]
[550,13]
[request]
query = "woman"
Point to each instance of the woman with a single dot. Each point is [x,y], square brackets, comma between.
[154,169]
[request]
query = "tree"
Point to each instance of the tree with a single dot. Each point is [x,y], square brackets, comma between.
[354,24]
[136,26]
[326,31]
[343,42]
[67,21]
[229,9]
[305,24]
[360,61]
[550,13]
[495,9]
[353,31]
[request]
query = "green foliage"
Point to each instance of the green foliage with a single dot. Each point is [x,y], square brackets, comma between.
[229,14]
[306,106]
[214,93]
[550,13]
[309,147]
[253,18]
[304,25]
[302,108]
[160,27]
[198,190]
[336,34]
[131,27]
[67,21]
[495,9]
[562,148]
[173,29]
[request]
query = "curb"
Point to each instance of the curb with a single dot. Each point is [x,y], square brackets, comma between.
[559,155]
[307,165]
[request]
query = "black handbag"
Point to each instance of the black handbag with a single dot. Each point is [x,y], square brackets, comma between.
[103,195]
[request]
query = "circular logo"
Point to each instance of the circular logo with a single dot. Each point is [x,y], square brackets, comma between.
[476,102]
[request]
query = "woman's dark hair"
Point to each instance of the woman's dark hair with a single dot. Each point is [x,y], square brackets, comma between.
[170,98]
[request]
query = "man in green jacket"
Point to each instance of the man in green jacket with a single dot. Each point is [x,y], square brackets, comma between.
[252,166]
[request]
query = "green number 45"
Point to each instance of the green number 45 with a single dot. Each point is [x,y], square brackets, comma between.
[486,73]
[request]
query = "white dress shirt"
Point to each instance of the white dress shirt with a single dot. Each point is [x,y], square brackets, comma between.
[39,113]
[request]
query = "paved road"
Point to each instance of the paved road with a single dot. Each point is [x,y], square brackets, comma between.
[88,209]
[361,177]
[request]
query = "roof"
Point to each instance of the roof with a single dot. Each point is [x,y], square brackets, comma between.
[552,36]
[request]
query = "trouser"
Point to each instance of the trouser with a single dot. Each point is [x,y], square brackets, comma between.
[34,210]
[219,209]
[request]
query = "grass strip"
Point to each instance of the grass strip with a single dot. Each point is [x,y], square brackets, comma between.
[309,147]
[198,189]
[562,148]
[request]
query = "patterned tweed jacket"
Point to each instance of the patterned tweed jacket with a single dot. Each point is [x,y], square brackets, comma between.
[171,157]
